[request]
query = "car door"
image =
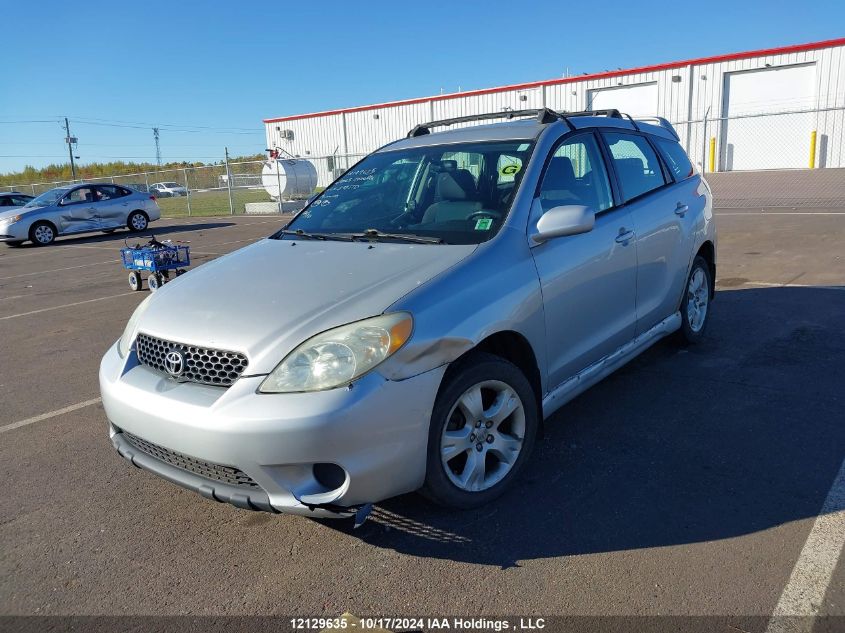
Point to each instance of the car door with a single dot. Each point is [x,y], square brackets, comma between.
[661,221]
[112,206]
[588,280]
[76,212]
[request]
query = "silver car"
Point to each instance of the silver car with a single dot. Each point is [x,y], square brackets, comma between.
[77,209]
[417,322]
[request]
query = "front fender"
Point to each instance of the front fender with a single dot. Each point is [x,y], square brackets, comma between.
[496,289]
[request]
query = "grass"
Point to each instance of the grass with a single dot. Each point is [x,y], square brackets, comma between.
[211,203]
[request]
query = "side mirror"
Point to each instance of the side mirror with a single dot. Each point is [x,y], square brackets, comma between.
[565,220]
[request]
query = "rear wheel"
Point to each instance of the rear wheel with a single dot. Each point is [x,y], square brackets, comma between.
[42,233]
[137,221]
[695,306]
[155,282]
[482,430]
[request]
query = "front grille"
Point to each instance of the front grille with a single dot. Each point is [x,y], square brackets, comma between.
[203,365]
[215,472]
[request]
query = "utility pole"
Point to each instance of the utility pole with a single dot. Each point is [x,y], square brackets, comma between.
[70,140]
[158,147]
[229,183]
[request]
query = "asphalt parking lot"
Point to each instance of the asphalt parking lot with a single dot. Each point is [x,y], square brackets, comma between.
[688,483]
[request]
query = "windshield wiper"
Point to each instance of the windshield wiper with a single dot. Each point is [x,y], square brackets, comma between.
[316,236]
[403,237]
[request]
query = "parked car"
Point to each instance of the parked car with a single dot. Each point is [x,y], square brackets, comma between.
[77,209]
[414,325]
[12,200]
[168,189]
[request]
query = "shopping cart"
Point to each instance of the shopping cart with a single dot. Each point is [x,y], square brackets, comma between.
[159,258]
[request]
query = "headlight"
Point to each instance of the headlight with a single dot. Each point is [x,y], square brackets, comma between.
[338,356]
[125,342]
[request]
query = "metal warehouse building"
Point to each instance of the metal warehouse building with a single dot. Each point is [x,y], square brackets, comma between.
[766,109]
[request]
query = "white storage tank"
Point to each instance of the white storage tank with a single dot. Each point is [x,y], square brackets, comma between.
[292,178]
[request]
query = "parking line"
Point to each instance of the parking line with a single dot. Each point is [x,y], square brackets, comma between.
[804,593]
[67,305]
[766,284]
[46,416]
[717,212]
[56,270]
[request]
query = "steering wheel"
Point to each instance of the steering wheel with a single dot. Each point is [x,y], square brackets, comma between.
[495,215]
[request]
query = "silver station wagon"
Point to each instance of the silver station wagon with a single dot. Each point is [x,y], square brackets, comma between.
[414,325]
[77,209]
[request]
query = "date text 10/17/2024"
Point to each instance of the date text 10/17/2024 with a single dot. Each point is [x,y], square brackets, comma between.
[407,624]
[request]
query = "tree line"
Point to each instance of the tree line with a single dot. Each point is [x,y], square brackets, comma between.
[62,172]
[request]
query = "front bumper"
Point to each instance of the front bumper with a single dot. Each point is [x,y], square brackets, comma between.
[14,232]
[376,431]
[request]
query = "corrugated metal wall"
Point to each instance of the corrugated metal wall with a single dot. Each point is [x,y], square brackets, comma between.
[686,95]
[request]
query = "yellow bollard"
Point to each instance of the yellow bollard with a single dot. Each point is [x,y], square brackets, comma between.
[712,154]
[813,149]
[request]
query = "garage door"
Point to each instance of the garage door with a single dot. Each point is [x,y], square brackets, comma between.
[636,100]
[774,141]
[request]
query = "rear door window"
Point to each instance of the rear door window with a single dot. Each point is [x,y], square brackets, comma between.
[636,164]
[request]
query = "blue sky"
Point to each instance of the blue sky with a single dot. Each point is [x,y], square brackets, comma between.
[208,72]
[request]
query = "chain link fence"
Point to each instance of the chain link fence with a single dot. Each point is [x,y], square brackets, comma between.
[778,159]
[228,188]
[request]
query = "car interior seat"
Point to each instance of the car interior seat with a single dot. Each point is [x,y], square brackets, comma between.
[455,201]
[559,185]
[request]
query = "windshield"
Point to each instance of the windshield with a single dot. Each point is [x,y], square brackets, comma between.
[458,193]
[47,198]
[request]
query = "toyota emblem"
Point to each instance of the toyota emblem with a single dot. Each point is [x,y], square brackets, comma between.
[174,363]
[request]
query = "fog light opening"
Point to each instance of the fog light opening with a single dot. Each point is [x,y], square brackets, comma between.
[330,476]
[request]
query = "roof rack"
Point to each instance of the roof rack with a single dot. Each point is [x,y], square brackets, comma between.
[424,128]
[662,123]
[544,116]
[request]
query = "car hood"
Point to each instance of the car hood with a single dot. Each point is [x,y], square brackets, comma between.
[267,298]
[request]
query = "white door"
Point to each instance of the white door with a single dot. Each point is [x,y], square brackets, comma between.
[636,100]
[780,137]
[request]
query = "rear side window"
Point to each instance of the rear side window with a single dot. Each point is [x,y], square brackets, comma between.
[636,164]
[676,158]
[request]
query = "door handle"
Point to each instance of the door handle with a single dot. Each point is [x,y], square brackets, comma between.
[681,209]
[624,236]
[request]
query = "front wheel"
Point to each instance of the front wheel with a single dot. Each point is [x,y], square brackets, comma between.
[695,306]
[482,430]
[135,280]
[137,221]
[42,234]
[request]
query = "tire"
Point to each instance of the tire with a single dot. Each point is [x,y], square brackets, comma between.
[135,281]
[14,244]
[137,221]
[695,304]
[42,233]
[467,468]
[155,282]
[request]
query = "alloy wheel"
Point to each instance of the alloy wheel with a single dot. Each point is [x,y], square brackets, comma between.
[698,295]
[484,436]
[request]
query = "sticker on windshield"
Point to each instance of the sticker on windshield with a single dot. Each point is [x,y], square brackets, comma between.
[483,224]
[510,170]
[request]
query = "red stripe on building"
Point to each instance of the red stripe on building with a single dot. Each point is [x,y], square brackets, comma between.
[782,50]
